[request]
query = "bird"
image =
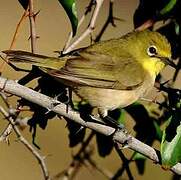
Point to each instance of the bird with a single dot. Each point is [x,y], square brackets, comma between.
[108,74]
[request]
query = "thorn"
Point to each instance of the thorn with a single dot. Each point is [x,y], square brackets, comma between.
[12,111]
[37,37]
[165,82]
[35,15]
[53,104]
[95,118]
[80,129]
[125,146]
[60,53]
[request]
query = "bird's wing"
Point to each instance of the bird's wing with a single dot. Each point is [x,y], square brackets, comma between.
[102,71]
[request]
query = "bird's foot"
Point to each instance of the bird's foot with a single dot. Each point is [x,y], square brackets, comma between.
[108,120]
[113,122]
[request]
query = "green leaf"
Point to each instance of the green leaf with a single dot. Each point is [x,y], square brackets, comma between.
[171,144]
[121,119]
[70,8]
[177,28]
[168,7]
[24,3]
[140,160]
[159,132]
[138,156]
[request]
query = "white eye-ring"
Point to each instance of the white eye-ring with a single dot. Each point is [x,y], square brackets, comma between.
[152,51]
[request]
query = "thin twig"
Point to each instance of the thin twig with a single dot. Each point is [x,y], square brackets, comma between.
[102,170]
[88,10]
[7,131]
[41,160]
[110,20]
[177,70]
[18,27]
[147,24]
[125,165]
[77,160]
[74,166]
[90,28]
[70,172]
[33,35]
[15,34]
[5,134]
[85,144]
[121,137]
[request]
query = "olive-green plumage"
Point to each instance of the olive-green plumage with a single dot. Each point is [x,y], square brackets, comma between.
[108,74]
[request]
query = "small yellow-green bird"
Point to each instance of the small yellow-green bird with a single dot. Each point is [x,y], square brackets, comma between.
[108,74]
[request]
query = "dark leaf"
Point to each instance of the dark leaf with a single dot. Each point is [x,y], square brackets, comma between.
[24,3]
[145,130]
[140,162]
[168,7]
[70,8]
[76,133]
[104,144]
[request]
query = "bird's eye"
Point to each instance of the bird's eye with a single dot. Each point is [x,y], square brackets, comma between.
[152,50]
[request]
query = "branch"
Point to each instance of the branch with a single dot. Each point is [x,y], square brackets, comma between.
[110,20]
[40,159]
[15,35]
[32,27]
[5,134]
[99,168]
[119,136]
[88,10]
[78,160]
[23,17]
[90,28]
[125,165]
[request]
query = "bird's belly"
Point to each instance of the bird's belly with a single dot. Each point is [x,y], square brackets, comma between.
[107,98]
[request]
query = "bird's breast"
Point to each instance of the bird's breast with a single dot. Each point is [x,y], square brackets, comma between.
[111,99]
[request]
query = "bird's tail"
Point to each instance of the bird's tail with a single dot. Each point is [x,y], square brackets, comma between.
[34,59]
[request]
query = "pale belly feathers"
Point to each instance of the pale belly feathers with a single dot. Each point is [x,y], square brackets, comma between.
[111,99]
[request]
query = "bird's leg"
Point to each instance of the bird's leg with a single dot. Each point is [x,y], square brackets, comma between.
[69,101]
[109,120]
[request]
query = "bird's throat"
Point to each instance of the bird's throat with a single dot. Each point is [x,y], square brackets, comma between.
[153,66]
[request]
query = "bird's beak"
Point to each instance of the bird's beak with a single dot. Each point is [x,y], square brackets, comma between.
[168,61]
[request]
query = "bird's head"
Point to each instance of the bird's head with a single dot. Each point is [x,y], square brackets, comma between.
[155,51]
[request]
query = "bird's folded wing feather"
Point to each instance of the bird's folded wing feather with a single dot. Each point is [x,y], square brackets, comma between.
[102,71]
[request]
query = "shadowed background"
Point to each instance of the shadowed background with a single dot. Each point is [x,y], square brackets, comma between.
[52,26]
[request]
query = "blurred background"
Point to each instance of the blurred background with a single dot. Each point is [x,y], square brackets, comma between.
[52,26]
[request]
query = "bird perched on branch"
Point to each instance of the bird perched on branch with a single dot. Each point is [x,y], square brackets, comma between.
[109,74]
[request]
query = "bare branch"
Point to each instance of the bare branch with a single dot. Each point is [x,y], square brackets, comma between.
[89,29]
[88,9]
[125,165]
[40,159]
[15,35]
[119,136]
[102,170]
[110,20]
[78,159]
[149,23]
[32,27]
[5,134]
[18,27]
